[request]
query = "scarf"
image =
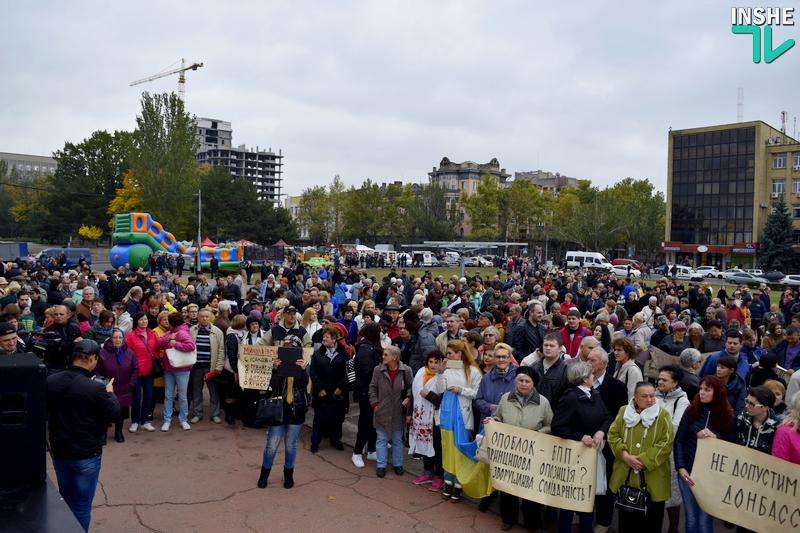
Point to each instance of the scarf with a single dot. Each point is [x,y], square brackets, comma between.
[522,399]
[120,353]
[501,372]
[646,417]
[330,353]
[289,390]
[105,332]
[427,375]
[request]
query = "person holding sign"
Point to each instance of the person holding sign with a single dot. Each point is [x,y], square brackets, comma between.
[581,415]
[295,406]
[525,408]
[641,438]
[709,416]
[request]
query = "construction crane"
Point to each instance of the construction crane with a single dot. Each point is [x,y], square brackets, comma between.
[181,77]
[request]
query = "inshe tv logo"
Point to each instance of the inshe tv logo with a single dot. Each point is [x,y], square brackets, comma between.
[751,19]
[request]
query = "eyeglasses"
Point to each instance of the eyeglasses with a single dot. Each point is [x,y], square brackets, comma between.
[488,335]
[748,403]
[501,357]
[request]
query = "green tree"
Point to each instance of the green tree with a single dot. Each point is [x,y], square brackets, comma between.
[8,227]
[27,191]
[165,161]
[337,196]
[314,214]
[362,213]
[88,174]
[429,215]
[483,208]
[775,251]
[522,206]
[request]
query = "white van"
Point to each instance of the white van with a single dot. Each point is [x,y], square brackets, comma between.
[594,260]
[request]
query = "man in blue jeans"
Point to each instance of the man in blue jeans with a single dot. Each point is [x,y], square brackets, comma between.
[79,409]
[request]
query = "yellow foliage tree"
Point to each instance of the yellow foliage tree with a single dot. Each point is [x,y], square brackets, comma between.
[93,233]
[128,198]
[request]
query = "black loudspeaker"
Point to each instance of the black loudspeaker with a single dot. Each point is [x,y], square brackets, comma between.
[23,445]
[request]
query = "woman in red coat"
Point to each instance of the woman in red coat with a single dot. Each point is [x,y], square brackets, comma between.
[119,362]
[142,341]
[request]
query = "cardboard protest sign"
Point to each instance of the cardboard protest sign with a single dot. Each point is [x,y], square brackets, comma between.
[662,358]
[255,365]
[746,487]
[542,468]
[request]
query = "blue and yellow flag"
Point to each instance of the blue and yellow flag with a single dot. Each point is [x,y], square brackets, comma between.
[458,452]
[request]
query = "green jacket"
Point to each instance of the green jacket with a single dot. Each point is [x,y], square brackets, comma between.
[654,452]
[535,414]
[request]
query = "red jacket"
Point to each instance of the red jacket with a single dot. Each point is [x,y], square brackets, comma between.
[736,314]
[144,355]
[573,346]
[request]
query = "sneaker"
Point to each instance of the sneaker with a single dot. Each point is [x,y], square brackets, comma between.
[185,426]
[372,456]
[217,420]
[423,479]
[133,428]
[437,485]
[358,460]
[195,420]
[165,426]
[148,426]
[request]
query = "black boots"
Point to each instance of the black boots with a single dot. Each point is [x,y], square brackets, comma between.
[262,481]
[288,478]
[118,432]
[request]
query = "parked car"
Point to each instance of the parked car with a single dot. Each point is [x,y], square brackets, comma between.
[709,272]
[743,278]
[449,260]
[470,262]
[622,271]
[755,272]
[774,276]
[791,279]
[484,261]
[687,273]
[731,272]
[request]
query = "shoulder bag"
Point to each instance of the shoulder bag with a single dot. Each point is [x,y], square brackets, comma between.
[158,368]
[270,410]
[179,358]
[631,500]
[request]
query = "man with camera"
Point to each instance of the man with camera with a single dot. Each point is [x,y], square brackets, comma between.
[79,409]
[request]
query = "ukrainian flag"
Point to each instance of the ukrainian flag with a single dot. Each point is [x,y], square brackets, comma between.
[458,452]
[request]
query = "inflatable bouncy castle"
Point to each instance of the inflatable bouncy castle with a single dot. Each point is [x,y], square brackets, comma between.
[137,236]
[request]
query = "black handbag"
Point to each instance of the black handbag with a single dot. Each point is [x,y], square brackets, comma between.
[631,500]
[270,411]
[158,368]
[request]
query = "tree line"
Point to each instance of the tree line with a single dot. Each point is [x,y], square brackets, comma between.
[151,169]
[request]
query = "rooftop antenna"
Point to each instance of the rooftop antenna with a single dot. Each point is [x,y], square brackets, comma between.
[740,105]
[784,116]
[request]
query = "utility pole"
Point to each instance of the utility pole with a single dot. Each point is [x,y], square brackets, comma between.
[197,268]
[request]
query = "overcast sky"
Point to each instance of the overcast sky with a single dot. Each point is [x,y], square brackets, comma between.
[385,89]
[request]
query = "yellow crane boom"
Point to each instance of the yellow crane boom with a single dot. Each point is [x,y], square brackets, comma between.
[181,77]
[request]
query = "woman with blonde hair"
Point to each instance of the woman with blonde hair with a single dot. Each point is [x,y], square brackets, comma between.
[786,444]
[310,321]
[464,382]
[280,303]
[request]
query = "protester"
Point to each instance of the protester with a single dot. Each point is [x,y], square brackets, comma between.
[389,394]
[786,444]
[176,378]
[368,356]
[329,381]
[142,341]
[424,435]
[117,361]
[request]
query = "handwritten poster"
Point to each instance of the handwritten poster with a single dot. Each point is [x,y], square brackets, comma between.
[542,468]
[255,365]
[746,487]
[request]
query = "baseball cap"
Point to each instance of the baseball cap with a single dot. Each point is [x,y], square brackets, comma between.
[289,309]
[6,328]
[87,346]
[662,319]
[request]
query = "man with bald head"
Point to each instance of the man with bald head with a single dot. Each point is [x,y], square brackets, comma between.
[587,345]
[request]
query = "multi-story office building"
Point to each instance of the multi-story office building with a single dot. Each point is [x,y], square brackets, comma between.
[26,164]
[721,183]
[262,167]
[465,176]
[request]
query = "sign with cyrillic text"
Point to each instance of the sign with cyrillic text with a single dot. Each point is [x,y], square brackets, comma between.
[542,468]
[255,365]
[746,487]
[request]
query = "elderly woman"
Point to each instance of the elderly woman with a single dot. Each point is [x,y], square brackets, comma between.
[627,371]
[117,361]
[786,444]
[674,400]
[522,406]
[389,394]
[177,337]
[675,342]
[490,337]
[695,335]
[641,438]
[582,416]
[709,416]
[424,435]
[464,382]
[329,380]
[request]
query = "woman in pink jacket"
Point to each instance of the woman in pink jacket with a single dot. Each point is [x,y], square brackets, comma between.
[142,341]
[786,444]
[177,337]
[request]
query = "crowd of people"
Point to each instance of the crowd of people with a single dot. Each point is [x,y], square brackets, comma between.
[567,353]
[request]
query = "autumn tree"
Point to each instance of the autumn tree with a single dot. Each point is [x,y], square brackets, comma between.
[128,197]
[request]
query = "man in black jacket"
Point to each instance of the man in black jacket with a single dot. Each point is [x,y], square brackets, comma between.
[551,370]
[79,409]
[529,334]
[614,395]
[58,355]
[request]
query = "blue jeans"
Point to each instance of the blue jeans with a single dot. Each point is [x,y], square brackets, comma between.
[289,432]
[697,520]
[171,379]
[382,447]
[142,395]
[77,481]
